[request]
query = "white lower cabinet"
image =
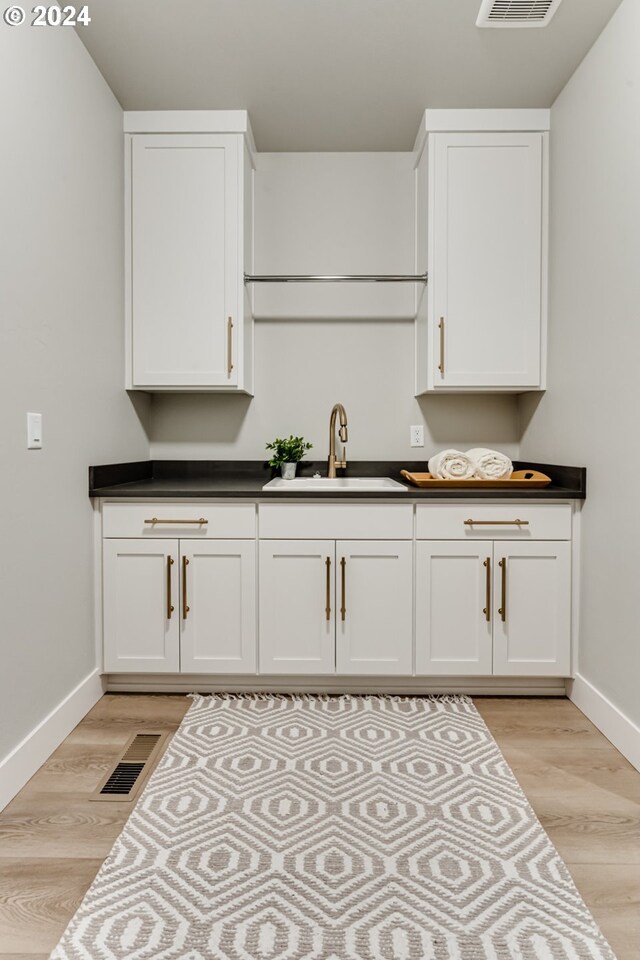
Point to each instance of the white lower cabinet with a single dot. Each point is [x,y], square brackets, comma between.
[498,608]
[374,633]
[140,588]
[336,607]
[532,609]
[179,605]
[218,606]
[488,595]
[297,616]
[453,628]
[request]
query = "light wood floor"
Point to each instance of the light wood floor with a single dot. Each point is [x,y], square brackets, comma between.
[53,840]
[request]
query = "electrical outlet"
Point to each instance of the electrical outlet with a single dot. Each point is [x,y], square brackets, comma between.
[416,435]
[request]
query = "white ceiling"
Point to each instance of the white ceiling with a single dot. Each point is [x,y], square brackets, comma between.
[332,74]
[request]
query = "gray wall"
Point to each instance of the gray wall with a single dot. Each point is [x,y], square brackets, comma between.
[334,213]
[589,414]
[302,369]
[61,290]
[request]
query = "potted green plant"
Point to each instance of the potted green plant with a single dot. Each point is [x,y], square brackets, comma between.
[286,454]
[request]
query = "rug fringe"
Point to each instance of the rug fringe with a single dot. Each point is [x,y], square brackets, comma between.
[396,698]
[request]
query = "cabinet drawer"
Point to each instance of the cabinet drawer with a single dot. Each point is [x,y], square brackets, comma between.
[450,521]
[233,521]
[336,521]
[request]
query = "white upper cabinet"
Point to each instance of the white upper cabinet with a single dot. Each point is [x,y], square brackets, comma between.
[184,266]
[487,222]
[481,324]
[188,216]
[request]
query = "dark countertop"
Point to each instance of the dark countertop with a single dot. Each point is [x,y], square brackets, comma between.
[244,479]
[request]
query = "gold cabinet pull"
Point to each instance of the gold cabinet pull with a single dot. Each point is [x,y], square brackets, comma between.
[441,364]
[170,607]
[229,346]
[487,609]
[496,523]
[327,608]
[343,608]
[200,521]
[185,605]
[503,609]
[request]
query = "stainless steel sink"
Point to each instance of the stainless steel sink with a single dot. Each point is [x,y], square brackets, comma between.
[352,484]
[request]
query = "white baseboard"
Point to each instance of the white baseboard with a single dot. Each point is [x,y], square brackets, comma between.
[476,686]
[619,729]
[20,765]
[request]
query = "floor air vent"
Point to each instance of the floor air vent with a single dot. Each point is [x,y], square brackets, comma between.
[516,13]
[125,779]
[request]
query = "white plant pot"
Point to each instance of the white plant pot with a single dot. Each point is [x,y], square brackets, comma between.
[288,470]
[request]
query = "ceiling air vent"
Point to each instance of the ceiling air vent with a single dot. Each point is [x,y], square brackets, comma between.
[516,13]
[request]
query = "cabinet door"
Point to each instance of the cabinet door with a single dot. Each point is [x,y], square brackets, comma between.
[532,602]
[218,606]
[184,259]
[486,267]
[453,612]
[141,624]
[374,632]
[297,623]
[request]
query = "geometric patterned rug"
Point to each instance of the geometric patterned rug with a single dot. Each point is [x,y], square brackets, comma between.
[333,828]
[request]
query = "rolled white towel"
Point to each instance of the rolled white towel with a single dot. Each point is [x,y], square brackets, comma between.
[452,465]
[490,464]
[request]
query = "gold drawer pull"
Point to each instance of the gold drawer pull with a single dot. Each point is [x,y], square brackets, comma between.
[229,346]
[441,364]
[156,520]
[185,605]
[503,609]
[327,609]
[496,523]
[170,606]
[487,609]
[343,608]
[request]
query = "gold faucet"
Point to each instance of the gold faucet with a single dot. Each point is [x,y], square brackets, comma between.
[333,463]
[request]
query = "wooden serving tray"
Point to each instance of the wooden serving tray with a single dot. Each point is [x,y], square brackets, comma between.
[519,480]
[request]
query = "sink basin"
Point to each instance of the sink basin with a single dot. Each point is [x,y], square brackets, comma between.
[352,484]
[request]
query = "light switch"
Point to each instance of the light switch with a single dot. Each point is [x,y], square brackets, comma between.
[417,436]
[34,431]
